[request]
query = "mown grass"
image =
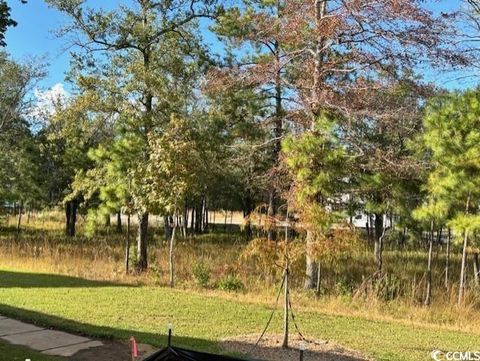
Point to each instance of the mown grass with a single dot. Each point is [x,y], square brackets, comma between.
[202,319]
[10,352]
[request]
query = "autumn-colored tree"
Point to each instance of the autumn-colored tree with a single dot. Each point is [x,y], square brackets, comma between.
[339,53]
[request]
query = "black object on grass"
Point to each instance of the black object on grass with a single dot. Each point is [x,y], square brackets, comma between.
[179,354]
[171,353]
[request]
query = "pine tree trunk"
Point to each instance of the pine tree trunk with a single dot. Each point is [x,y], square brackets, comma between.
[202,216]
[225,224]
[192,221]
[170,256]
[142,239]
[166,227]
[286,305]
[476,269]
[248,228]
[428,297]
[198,218]
[447,260]
[119,222]
[286,310]
[320,11]
[19,219]
[461,290]
[185,222]
[277,144]
[205,228]
[147,125]
[319,279]
[68,206]
[367,228]
[311,269]
[246,222]
[107,221]
[271,216]
[403,238]
[246,215]
[371,234]
[71,217]
[127,246]
[379,228]
[439,235]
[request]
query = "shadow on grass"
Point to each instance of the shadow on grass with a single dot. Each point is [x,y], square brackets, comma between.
[10,279]
[116,341]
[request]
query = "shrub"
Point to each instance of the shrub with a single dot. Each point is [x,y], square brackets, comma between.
[132,256]
[201,273]
[344,287]
[156,273]
[387,287]
[231,283]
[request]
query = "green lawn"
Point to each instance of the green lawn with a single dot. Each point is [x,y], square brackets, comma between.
[16,353]
[119,311]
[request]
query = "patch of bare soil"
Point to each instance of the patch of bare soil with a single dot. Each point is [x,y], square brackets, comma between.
[270,349]
[111,351]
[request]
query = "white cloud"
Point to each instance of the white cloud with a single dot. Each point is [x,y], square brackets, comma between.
[47,100]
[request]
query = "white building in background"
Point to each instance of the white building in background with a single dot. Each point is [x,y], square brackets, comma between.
[361,219]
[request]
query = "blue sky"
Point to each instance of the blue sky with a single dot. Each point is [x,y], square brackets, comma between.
[34,36]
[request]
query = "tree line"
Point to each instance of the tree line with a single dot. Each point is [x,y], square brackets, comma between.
[310,110]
